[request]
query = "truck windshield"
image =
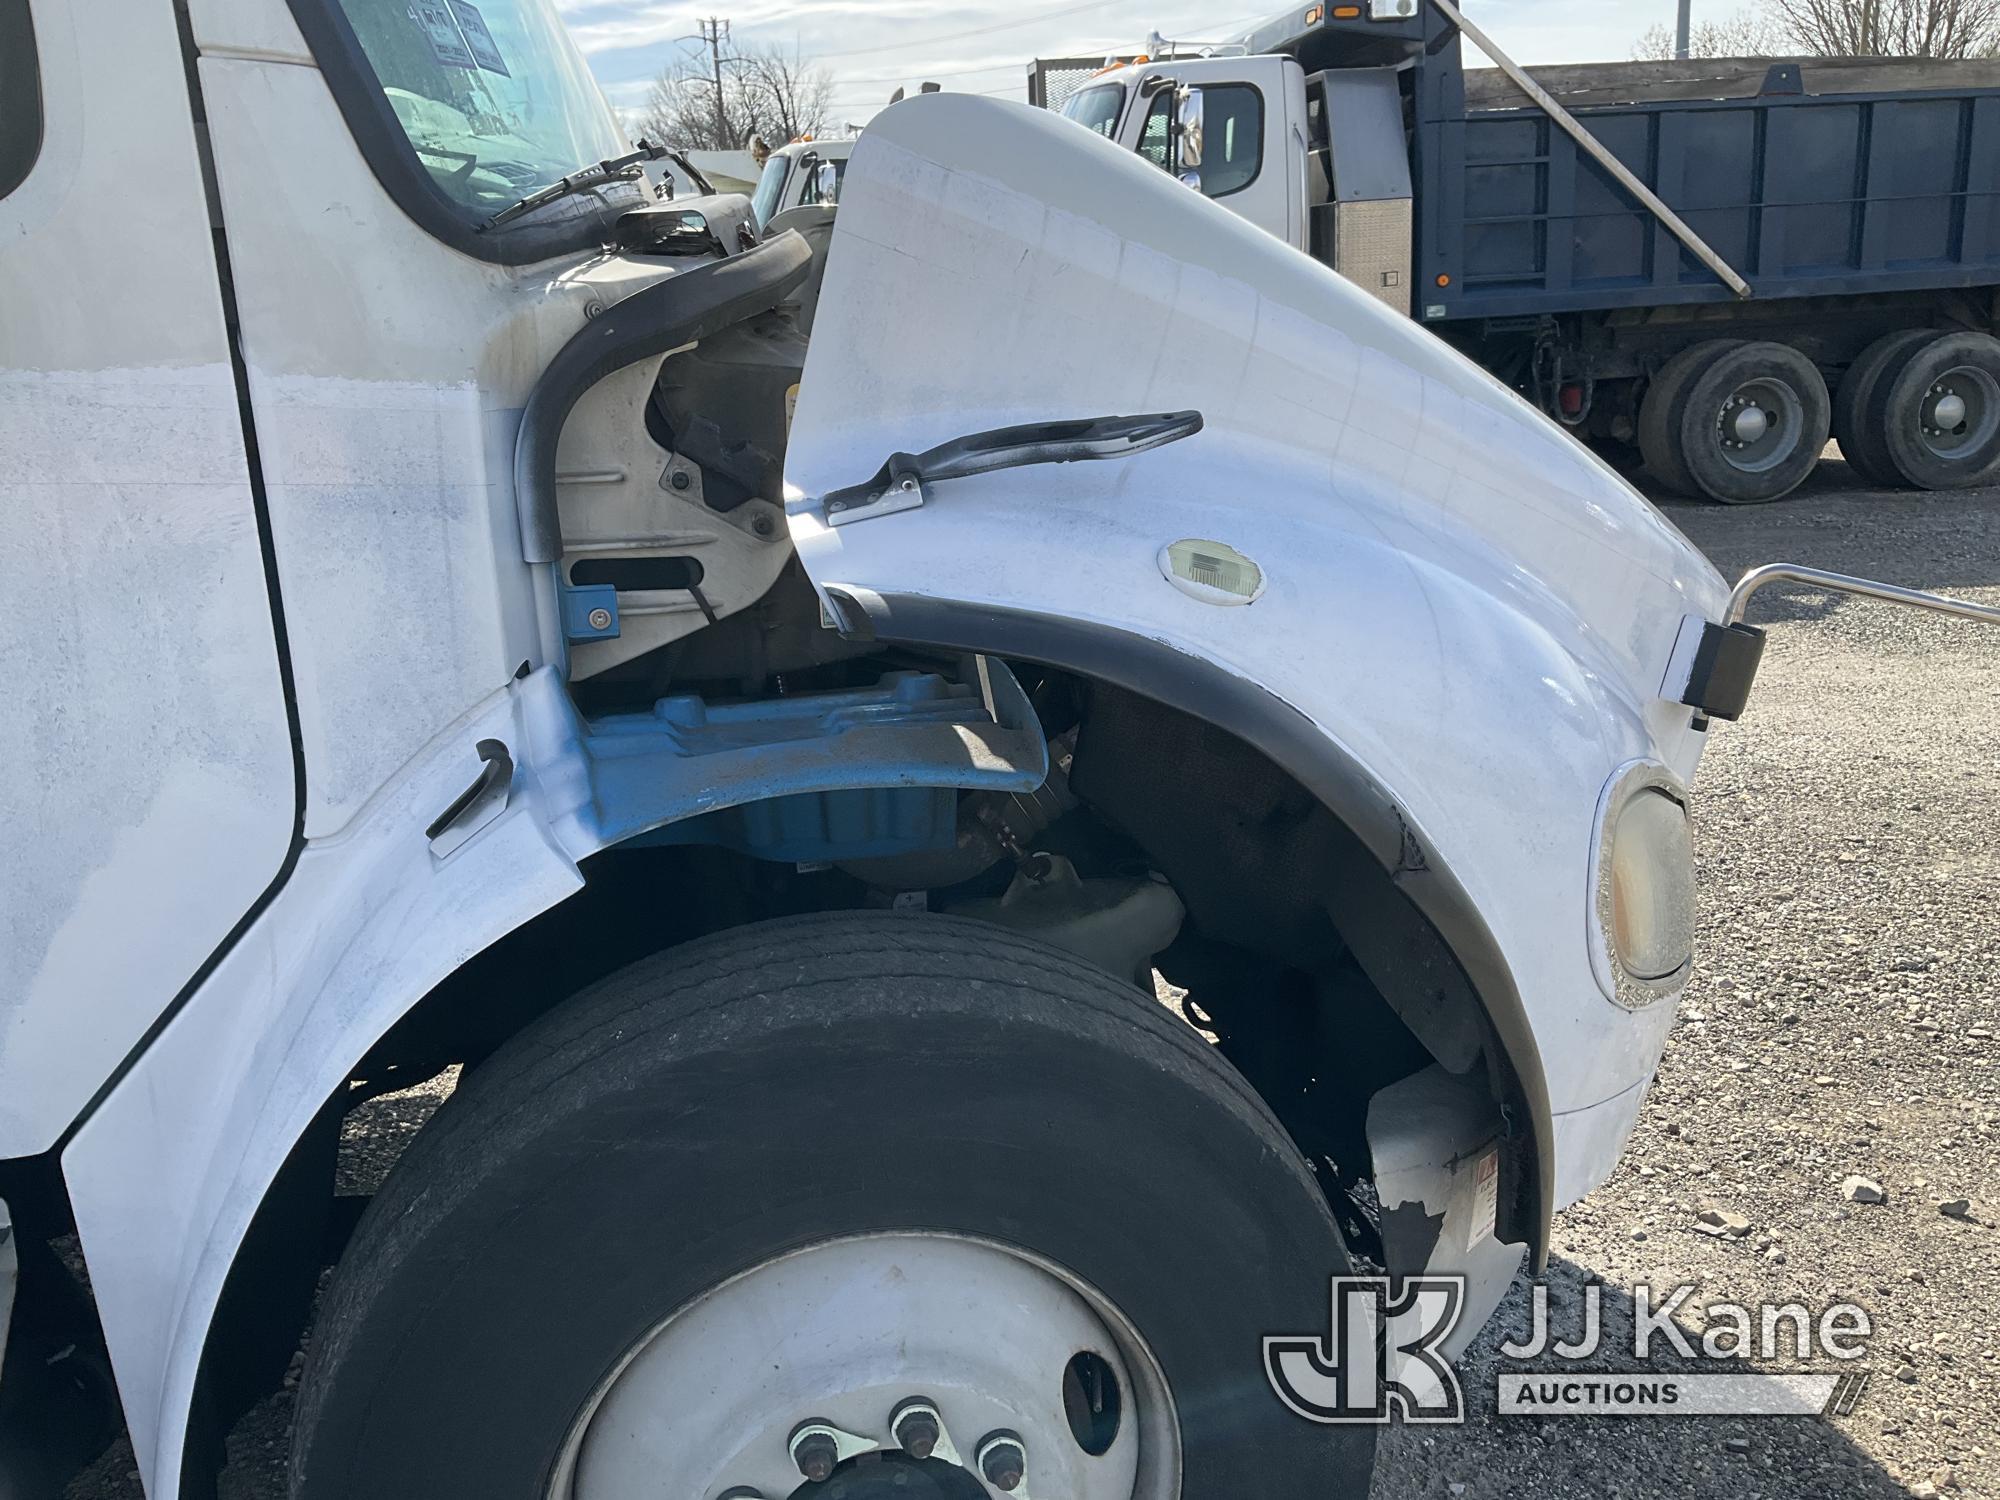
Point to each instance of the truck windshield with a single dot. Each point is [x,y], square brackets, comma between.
[1097,109]
[493,97]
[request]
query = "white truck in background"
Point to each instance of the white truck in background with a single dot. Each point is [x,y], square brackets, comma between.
[457,618]
[1707,266]
[801,174]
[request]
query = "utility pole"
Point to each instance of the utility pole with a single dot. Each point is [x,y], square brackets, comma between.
[1683,43]
[715,33]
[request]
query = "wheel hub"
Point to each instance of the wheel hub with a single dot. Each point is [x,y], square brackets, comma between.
[893,1476]
[1960,413]
[1749,424]
[1760,425]
[1948,412]
[804,1379]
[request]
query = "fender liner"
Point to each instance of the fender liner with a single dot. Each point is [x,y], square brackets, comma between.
[1196,686]
[663,316]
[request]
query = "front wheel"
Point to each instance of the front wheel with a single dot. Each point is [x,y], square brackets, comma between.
[852,1206]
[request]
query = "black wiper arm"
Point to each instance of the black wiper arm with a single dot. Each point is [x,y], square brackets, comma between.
[899,483]
[613,170]
[694,174]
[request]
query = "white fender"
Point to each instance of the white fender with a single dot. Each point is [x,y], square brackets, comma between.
[167,1173]
[1465,604]
[481,833]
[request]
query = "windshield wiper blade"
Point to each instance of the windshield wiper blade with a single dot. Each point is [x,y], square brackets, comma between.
[615,169]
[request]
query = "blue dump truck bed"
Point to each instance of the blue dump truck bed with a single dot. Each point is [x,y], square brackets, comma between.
[1846,282]
[1810,178]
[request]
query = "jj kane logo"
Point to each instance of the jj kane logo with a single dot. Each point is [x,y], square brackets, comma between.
[1381,1356]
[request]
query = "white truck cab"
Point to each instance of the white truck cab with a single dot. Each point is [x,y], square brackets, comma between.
[458,619]
[1320,163]
[1253,152]
[793,177]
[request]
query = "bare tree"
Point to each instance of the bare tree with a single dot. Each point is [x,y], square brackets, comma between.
[791,97]
[680,107]
[1893,28]
[1749,33]
[766,92]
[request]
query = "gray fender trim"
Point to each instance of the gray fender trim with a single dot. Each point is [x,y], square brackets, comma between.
[1157,670]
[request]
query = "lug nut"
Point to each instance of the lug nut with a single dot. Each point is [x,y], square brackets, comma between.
[1002,1460]
[815,1452]
[916,1428]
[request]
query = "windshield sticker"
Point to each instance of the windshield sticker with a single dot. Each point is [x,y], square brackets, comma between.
[472,25]
[447,46]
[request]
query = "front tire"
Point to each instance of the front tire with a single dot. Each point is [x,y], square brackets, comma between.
[767,1093]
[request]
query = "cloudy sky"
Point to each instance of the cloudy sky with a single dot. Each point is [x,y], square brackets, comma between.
[871,46]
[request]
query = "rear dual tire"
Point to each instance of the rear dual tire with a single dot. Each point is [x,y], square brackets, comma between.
[1857,427]
[715,1109]
[1931,417]
[1742,423]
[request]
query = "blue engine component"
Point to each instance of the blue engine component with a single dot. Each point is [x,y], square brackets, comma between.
[820,827]
[851,774]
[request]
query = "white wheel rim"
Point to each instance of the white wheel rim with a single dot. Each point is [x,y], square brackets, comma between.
[843,1333]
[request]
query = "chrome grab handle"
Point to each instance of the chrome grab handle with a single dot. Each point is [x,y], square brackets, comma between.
[1890,593]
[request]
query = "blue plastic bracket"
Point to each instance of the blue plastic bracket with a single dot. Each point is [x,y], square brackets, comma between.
[590,612]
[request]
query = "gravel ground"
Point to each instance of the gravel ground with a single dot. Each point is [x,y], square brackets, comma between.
[1841,1023]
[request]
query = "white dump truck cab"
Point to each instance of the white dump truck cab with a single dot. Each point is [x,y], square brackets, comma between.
[1319,161]
[464,630]
[801,174]
[1252,157]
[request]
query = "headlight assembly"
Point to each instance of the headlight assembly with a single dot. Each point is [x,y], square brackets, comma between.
[1644,937]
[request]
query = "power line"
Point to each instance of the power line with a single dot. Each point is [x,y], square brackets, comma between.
[959,73]
[1109,49]
[1019,90]
[953,36]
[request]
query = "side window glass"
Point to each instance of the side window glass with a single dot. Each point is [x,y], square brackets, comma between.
[810,191]
[20,95]
[1153,139]
[1233,128]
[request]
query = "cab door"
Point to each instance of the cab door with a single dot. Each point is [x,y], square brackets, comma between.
[150,797]
[1253,152]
